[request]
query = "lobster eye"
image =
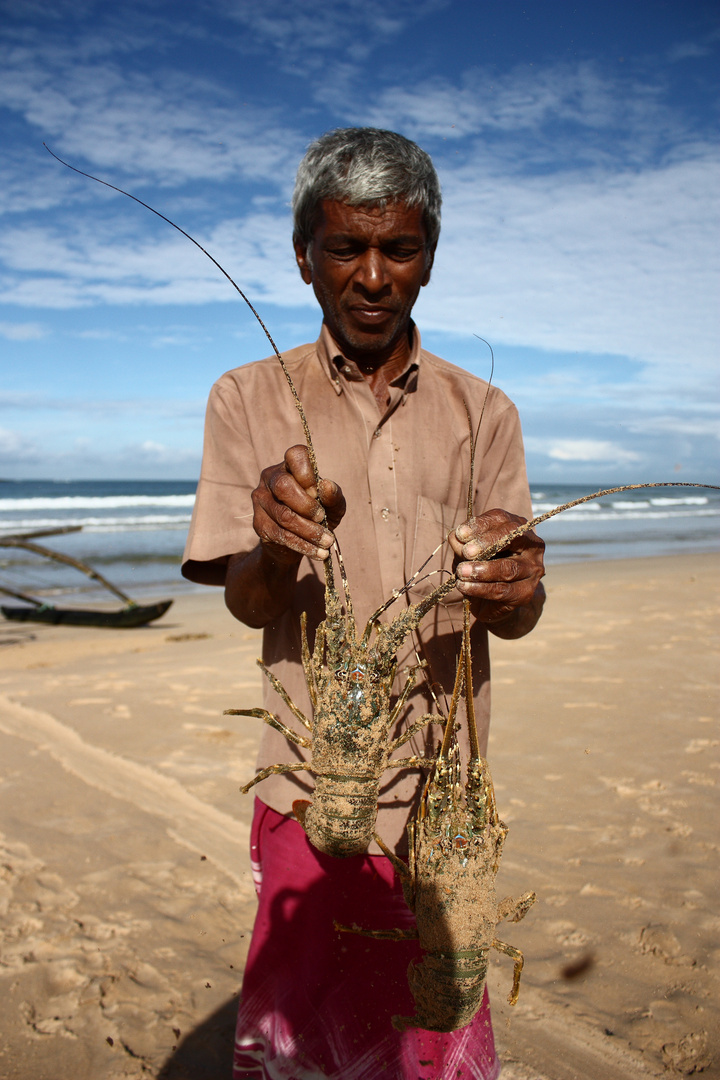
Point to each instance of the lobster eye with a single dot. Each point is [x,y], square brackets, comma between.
[340,674]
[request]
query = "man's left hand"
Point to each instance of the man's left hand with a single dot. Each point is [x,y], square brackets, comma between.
[505,591]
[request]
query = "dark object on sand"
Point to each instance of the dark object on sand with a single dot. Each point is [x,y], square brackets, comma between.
[41,611]
[133,615]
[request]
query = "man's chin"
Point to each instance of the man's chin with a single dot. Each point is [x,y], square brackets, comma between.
[367,341]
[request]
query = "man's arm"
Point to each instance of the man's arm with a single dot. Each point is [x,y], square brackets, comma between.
[506,592]
[291,518]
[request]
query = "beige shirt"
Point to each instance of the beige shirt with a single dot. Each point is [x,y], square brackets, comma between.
[405,476]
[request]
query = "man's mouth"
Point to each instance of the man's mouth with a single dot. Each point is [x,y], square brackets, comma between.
[370,314]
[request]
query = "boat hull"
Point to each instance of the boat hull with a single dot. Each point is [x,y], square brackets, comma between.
[137,615]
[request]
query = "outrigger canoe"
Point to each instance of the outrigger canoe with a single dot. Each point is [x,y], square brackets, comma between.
[39,610]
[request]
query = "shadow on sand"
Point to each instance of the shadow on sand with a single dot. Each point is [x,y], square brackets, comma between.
[206,1053]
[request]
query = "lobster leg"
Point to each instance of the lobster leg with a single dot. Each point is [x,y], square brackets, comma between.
[517,956]
[397,863]
[411,763]
[428,718]
[405,693]
[275,769]
[273,721]
[307,662]
[282,692]
[379,935]
[515,910]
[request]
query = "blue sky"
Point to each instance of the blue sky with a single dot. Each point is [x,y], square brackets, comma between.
[576,145]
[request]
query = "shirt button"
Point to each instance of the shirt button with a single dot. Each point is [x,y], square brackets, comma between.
[347,370]
[377,433]
[385,513]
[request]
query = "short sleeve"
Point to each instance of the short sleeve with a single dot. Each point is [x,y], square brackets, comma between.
[502,477]
[222,518]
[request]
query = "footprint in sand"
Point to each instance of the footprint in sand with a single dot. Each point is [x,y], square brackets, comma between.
[567,934]
[660,941]
[699,746]
[688,1055]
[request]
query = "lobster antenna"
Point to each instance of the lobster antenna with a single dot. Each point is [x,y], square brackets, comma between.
[473,441]
[466,660]
[121,191]
[460,672]
[493,549]
[286,373]
[397,593]
[417,611]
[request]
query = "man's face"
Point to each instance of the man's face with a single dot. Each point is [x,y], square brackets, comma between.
[366,266]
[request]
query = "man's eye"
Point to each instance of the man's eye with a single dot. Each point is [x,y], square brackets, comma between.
[402,254]
[342,253]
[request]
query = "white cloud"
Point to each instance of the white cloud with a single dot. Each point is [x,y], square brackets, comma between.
[100,264]
[575,450]
[519,100]
[170,128]
[308,36]
[17,448]
[611,263]
[159,408]
[59,453]
[553,117]
[100,335]
[22,331]
[681,424]
[688,50]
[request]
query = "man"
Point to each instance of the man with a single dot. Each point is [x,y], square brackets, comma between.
[389,425]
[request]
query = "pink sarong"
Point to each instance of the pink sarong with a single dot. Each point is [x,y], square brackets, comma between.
[316,1003]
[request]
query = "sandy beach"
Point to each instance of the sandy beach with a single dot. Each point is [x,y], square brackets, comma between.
[126,901]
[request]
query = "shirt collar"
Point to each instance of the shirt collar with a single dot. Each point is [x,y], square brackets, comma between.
[339,368]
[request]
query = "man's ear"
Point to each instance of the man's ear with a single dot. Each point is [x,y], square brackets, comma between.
[428,268]
[304,263]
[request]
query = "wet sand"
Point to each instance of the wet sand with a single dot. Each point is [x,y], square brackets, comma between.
[126,901]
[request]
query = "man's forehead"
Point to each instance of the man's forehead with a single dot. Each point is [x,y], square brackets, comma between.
[394,218]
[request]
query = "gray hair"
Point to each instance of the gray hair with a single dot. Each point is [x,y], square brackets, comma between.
[365,167]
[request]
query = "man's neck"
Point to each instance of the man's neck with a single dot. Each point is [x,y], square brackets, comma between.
[380,369]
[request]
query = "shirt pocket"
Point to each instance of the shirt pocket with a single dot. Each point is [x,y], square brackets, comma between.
[433,522]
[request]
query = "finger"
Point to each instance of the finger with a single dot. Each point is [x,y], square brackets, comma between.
[283,529]
[333,500]
[455,544]
[478,534]
[489,612]
[286,490]
[514,593]
[495,570]
[298,464]
[525,544]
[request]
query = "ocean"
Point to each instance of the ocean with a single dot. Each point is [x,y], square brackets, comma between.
[133,532]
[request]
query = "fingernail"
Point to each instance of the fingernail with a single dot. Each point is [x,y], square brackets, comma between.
[464,570]
[463,532]
[321,553]
[472,550]
[319,515]
[326,540]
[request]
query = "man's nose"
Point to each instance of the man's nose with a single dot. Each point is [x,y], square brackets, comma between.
[372,272]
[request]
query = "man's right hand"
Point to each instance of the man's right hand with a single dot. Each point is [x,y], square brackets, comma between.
[292,517]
